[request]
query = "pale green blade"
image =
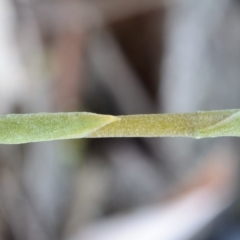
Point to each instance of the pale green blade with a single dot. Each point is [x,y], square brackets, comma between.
[23,128]
[227,124]
[195,125]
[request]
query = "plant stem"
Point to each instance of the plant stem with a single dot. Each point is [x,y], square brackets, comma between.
[194,125]
[23,128]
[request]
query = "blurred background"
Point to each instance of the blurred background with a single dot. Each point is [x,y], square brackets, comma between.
[120,57]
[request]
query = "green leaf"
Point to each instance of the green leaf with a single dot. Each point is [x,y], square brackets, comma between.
[23,128]
[195,125]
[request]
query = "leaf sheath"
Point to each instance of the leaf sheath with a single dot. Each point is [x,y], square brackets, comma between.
[194,125]
[23,128]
